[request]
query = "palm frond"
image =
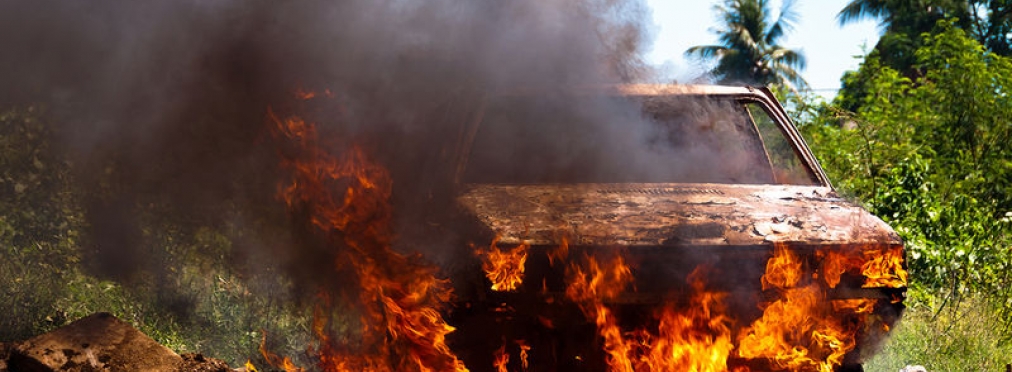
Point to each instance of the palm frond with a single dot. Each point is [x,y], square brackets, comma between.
[705,51]
[790,77]
[788,57]
[785,22]
[859,10]
[740,38]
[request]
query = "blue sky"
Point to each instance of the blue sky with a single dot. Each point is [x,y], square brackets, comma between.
[828,47]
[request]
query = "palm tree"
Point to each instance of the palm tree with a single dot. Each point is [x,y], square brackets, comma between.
[749,50]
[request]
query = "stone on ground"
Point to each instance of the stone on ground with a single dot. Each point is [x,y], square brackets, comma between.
[99,342]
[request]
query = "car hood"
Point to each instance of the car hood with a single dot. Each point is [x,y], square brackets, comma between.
[671,214]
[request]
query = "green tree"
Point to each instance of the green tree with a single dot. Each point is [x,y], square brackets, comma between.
[903,21]
[749,50]
[905,15]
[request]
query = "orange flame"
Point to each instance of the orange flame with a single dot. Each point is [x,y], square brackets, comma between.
[783,270]
[698,339]
[801,330]
[792,334]
[881,267]
[346,196]
[589,287]
[854,305]
[560,253]
[504,268]
[884,269]
[695,339]
[834,265]
[502,358]
[596,281]
[796,332]
[524,350]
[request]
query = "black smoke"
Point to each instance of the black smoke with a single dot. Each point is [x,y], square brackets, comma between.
[161,105]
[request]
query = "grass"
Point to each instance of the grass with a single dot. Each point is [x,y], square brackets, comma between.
[963,336]
[225,319]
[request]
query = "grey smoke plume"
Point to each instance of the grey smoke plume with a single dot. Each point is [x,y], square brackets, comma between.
[164,102]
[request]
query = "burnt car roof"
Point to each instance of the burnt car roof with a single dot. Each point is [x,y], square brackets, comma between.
[637,90]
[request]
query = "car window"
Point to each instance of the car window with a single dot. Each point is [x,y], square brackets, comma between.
[594,139]
[788,168]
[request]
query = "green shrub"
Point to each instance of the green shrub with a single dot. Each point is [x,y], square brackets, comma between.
[931,157]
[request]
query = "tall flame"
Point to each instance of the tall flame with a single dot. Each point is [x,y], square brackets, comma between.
[589,287]
[502,358]
[346,196]
[524,354]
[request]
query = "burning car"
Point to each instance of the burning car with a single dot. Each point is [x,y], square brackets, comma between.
[660,227]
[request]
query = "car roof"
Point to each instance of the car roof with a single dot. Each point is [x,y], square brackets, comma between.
[646,90]
[679,89]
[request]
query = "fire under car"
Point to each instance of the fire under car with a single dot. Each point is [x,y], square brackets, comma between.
[662,227]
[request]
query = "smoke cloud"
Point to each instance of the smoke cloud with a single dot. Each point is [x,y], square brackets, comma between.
[161,105]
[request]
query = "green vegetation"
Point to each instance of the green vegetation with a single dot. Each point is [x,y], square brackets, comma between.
[904,22]
[930,156]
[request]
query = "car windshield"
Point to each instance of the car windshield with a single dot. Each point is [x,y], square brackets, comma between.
[607,139]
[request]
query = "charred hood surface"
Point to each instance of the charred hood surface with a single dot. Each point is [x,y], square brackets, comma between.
[672,214]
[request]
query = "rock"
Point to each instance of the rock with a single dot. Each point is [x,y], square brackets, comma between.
[914,369]
[99,342]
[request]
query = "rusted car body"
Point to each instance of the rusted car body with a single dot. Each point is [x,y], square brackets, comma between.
[667,228]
